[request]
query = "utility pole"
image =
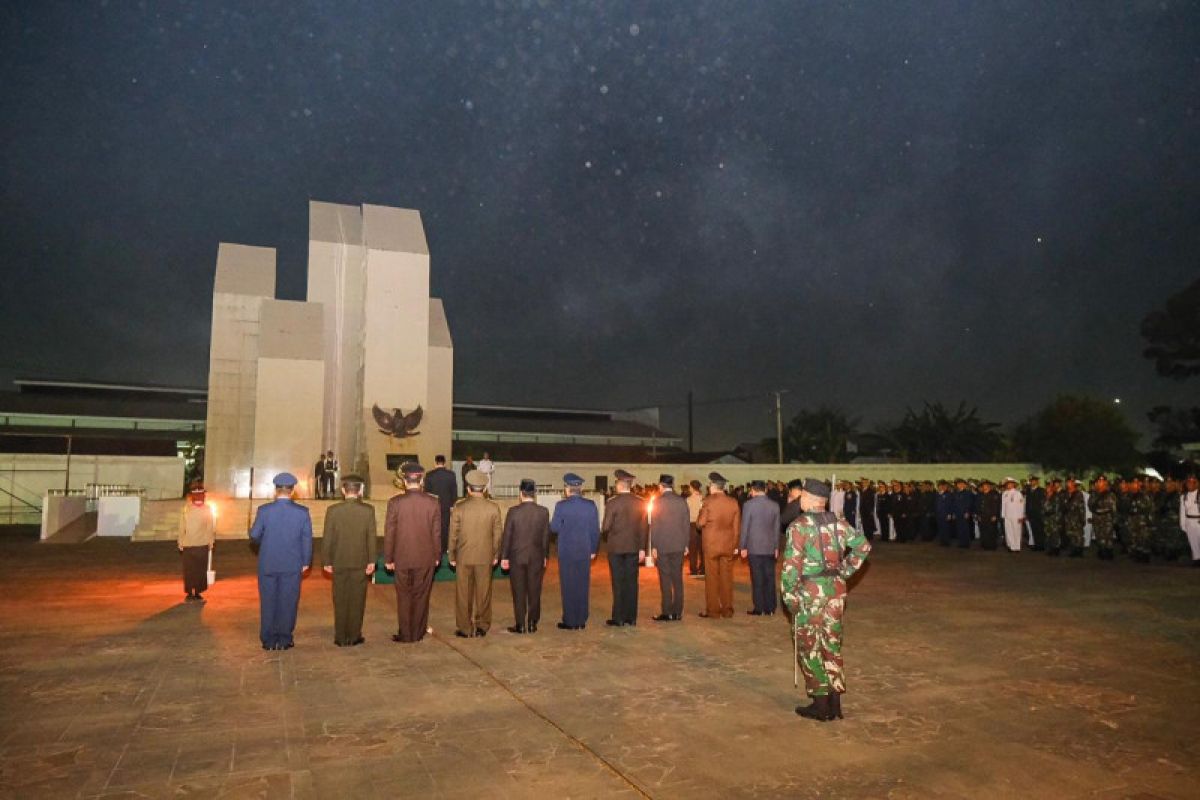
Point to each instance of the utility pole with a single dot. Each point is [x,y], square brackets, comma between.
[779,393]
[691,440]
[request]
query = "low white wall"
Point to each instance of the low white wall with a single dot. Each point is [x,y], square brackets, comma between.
[58,512]
[117,516]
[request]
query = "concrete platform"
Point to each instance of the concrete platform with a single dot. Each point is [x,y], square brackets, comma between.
[971,674]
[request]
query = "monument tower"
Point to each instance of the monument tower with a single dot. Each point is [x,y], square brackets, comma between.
[364,367]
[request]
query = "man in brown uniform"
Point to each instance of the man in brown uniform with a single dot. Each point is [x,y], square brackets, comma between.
[524,552]
[720,521]
[412,546]
[197,531]
[474,550]
[348,555]
[625,528]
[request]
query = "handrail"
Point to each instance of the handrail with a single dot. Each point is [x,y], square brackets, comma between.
[21,500]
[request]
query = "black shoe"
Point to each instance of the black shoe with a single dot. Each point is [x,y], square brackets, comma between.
[1052,551]
[358,641]
[835,705]
[480,632]
[818,710]
[662,618]
[199,597]
[515,629]
[704,615]
[754,613]
[677,617]
[562,626]
[462,635]
[287,646]
[1076,552]
[613,623]
[339,644]
[532,628]
[396,637]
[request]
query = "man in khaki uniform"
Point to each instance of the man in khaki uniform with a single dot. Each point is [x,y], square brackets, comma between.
[720,522]
[197,531]
[412,547]
[348,555]
[474,550]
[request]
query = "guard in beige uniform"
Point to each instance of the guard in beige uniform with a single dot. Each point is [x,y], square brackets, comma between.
[197,531]
[474,550]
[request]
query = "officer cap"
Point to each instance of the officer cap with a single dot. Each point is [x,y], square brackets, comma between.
[285,479]
[411,468]
[816,487]
[1055,480]
[666,480]
[476,479]
[795,483]
[1034,478]
[528,486]
[758,485]
[571,479]
[1010,479]
[352,478]
[1100,477]
[942,482]
[622,475]
[717,478]
[986,482]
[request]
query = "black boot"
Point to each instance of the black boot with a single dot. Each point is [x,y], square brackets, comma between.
[835,705]
[818,710]
[1076,552]
[1052,551]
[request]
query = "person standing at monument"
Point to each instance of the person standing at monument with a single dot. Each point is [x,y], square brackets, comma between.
[488,468]
[329,475]
[283,532]
[821,554]
[348,557]
[412,549]
[319,477]
[720,521]
[695,550]
[1012,509]
[759,543]
[467,466]
[1189,516]
[624,529]
[443,484]
[197,532]
[474,550]
[670,530]
[576,523]
[524,552]
[1035,513]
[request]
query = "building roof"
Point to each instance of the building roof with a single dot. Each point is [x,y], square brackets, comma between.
[576,424]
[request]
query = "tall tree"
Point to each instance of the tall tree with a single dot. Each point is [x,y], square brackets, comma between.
[819,436]
[1173,334]
[1077,434]
[937,435]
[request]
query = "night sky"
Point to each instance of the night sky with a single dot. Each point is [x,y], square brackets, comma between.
[870,204]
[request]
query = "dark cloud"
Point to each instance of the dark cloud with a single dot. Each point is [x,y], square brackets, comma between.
[936,200]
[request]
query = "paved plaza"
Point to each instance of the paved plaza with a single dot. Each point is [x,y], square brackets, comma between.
[970,674]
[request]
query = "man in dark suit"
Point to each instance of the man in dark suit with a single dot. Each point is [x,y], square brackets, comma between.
[468,466]
[759,544]
[443,484]
[866,507]
[348,556]
[1035,512]
[720,522]
[524,551]
[963,505]
[624,526]
[412,548]
[283,532]
[670,531]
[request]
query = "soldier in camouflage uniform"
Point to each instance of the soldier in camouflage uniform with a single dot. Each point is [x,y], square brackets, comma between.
[1169,541]
[822,551]
[1074,517]
[1103,505]
[1140,522]
[1053,507]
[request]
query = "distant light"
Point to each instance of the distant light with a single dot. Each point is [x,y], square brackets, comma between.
[1117,400]
[1039,240]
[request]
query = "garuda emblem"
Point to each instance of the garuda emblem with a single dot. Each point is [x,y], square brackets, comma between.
[397,423]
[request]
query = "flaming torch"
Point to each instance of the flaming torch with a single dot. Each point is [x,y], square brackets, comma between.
[650,534]
[212,575]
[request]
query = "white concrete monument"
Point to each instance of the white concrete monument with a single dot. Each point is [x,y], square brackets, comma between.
[364,368]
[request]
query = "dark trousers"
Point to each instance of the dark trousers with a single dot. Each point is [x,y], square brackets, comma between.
[1037,527]
[868,525]
[670,583]
[762,583]
[624,569]
[349,603]
[574,583]
[327,484]
[695,552]
[526,584]
[445,530]
[989,533]
[966,530]
[718,584]
[412,602]
[278,601]
[195,569]
[945,531]
[928,527]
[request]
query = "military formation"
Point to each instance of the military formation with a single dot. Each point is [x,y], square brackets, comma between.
[802,541]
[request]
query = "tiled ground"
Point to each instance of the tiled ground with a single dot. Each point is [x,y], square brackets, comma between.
[971,675]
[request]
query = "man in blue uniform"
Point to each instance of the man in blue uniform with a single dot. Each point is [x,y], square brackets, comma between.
[943,505]
[577,524]
[963,504]
[283,532]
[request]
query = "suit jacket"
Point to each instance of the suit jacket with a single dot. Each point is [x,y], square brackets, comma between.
[412,531]
[475,531]
[283,530]
[576,521]
[348,538]
[442,483]
[670,525]
[624,524]
[1035,503]
[720,523]
[760,526]
[789,513]
[526,534]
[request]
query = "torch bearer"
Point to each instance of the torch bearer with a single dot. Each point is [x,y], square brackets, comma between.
[650,532]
